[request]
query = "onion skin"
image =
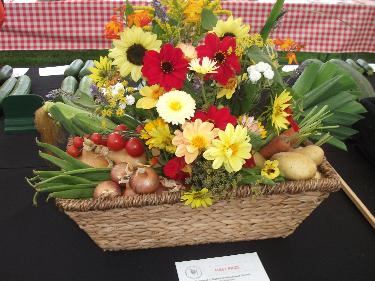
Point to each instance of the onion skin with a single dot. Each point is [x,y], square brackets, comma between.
[120,171]
[107,189]
[145,180]
[129,191]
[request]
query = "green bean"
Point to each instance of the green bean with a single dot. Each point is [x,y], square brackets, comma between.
[93,174]
[47,174]
[63,179]
[62,187]
[56,161]
[72,194]
[63,155]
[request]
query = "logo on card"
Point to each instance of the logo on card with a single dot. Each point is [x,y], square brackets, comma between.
[193,272]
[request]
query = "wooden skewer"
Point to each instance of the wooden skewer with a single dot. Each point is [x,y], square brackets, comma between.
[357,202]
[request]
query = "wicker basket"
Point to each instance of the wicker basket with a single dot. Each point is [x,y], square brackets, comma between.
[152,221]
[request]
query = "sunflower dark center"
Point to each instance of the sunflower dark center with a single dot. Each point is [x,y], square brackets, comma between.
[219,57]
[167,67]
[135,54]
[227,34]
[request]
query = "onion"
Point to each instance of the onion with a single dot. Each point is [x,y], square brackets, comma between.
[145,180]
[107,189]
[129,191]
[161,189]
[120,172]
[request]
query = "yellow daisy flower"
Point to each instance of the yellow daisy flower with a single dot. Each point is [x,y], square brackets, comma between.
[195,137]
[129,50]
[158,135]
[150,96]
[197,198]
[176,107]
[102,72]
[270,169]
[232,27]
[278,117]
[230,149]
[228,90]
[203,67]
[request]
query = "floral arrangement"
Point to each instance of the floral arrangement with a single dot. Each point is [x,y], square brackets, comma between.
[199,100]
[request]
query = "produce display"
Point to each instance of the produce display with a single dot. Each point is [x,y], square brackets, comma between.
[191,100]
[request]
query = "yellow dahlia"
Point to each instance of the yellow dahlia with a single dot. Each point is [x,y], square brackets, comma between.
[278,117]
[232,27]
[150,96]
[231,149]
[195,137]
[197,198]
[176,107]
[204,66]
[157,135]
[270,169]
[130,49]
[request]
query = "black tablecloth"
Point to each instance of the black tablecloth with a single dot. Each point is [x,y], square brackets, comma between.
[334,243]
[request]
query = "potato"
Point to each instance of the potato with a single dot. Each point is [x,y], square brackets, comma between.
[122,156]
[318,175]
[314,152]
[259,159]
[93,159]
[295,166]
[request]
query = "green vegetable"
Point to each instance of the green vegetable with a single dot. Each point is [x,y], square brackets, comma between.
[74,68]
[273,18]
[62,179]
[85,84]
[86,68]
[22,87]
[84,193]
[353,64]
[5,73]
[62,164]
[7,88]
[306,79]
[62,187]
[362,63]
[93,124]
[69,85]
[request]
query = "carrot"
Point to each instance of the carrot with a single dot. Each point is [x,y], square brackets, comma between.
[281,143]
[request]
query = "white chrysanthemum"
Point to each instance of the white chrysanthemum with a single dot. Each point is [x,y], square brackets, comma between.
[122,105]
[262,66]
[254,76]
[130,100]
[176,107]
[251,68]
[203,67]
[269,74]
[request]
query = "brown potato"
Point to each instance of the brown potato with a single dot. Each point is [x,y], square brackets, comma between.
[93,159]
[295,166]
[122,156]
[314,152]
[259,159]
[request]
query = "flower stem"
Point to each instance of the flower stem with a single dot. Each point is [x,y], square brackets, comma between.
[204,94]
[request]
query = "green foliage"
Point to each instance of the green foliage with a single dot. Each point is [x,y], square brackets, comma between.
[273,18]
[128,9]
[208,19]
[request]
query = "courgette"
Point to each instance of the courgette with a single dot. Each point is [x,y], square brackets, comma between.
[353,64]
[5,73]
[7,88]
[69,85]
[85,85]
[22,87]
[86,68]
[74,68]
[362,63]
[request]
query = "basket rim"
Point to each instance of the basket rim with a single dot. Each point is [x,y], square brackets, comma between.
[329,183]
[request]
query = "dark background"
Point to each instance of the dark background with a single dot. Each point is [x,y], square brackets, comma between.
[334,243]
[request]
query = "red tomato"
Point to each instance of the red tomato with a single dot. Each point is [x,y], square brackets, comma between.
[139,129]
[96,138]
[134,147]
[73,151]
[78,142]
[115,142]
[104,140]
[121,128]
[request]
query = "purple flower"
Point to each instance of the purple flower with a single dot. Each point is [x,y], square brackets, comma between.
[160,11]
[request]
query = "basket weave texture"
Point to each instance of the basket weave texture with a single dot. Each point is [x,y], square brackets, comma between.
[161,220]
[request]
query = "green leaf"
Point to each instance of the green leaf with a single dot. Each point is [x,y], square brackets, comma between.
[337,101]
[343,118]
[353,107]
[274,16]
[256,141]
[306,80]
[128,8]
[208,19]
[342,132]
[321,92]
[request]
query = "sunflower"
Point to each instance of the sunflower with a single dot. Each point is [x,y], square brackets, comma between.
[197,198]
[233,28]
[279,115]
[130,49]
[102,72]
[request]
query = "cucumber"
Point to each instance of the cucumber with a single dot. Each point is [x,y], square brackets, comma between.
[7,88]
[69,85]
[22,87]
[362,63]
[74,68]
[86,68]
[85,85]
[353,64]
[5,73]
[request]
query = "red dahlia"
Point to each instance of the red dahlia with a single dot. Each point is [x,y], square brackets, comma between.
[167,68]
[220,117]
[224,53]
[173,169]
